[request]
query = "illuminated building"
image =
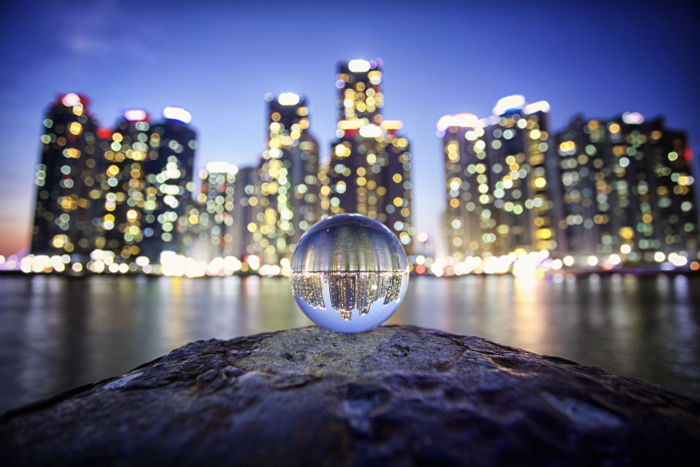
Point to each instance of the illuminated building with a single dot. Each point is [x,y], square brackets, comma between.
[369,171]
[359,90]
[497,186]
[521,161]
[169,171]
[467,223]
[289,185]
[65,178]
[246,235]
[216,200]
[122,187]
[627,188]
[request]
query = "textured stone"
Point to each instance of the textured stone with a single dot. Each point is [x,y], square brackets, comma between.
[395,396]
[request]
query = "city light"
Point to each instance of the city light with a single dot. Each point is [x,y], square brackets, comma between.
[514,102]
[520,198]
[177,113]
[135,115]
[288,98]
[358,65]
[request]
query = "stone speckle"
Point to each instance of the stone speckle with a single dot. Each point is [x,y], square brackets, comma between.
[398,395]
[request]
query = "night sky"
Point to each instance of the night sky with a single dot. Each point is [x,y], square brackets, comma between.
[218,59]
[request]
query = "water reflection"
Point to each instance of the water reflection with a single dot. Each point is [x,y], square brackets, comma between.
[57,333]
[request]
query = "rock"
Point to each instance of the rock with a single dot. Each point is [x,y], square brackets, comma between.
[395,396]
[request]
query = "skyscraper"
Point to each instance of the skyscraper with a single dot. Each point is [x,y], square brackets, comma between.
[64,179]
[246,237]
[468,220]
[216,214]
[369,171]
[359,90]
[169,182]
[520,156]
[289,200]
[497,171]
[627,188]
[122,186]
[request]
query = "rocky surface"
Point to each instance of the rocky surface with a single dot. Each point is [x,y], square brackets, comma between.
[398,395]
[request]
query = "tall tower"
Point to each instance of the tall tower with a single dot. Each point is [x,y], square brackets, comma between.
[468,221]
[499,173]
[519,148]
[627,188]
[169,182]
[65,180]
[289,177]
[370,166]
[216,217]
[123,182]
[359,90]
[246,237]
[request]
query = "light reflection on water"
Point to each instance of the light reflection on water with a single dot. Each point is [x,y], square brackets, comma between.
[57,333]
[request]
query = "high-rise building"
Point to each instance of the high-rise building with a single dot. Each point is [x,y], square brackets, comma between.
[245,232]
[627,188]
[289,185]
[359,90]
[369,171]
[521,160]
[216,211]
[497,171]
[468,221]
[169,170]
[65,178]
[122,186]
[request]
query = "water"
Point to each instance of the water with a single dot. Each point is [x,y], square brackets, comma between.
[58,333]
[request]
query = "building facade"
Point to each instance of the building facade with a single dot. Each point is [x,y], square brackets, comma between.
[498,173]
[289,184]
[65,180]
[369,171]
[626,188]
[169,182]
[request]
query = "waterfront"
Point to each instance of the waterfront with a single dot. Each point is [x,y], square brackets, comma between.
[57,333]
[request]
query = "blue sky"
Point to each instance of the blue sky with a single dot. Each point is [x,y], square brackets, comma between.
[218,59]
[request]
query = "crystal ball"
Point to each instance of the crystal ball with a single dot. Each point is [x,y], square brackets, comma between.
[349,273]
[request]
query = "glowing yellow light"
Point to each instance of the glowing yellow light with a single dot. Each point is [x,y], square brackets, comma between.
[392,124]
[627,233]
[567,146]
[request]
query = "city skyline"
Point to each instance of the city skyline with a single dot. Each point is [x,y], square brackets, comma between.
[232,125]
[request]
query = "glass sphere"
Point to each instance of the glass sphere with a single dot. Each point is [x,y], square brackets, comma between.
[349,273]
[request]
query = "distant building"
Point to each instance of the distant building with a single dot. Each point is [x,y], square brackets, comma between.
[216,211]
[65,180]
[468,222]
[359,90]
[497,173]
[627,187]
[169,182]
[246,238]
[123,187]
[369,171]
[289,185]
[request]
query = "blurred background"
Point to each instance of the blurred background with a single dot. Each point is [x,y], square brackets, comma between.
[160,162]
